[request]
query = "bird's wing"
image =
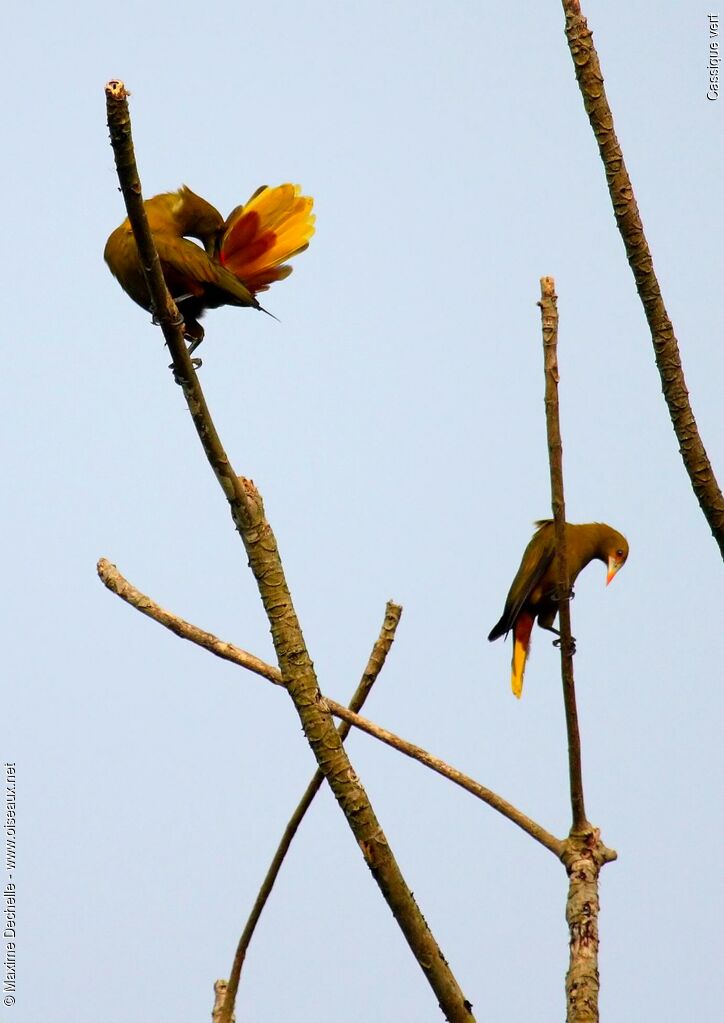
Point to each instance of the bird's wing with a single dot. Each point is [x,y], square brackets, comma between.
[537,558]
[187,267]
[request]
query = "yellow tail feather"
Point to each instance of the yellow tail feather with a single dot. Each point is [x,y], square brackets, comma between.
[520,652]
[275,225]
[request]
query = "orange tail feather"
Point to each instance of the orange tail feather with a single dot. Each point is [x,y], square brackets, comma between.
[275,225]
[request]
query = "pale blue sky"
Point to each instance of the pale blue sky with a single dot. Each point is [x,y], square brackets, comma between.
[394,423]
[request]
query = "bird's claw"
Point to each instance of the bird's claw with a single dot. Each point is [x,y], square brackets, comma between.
[196,363]
[557,642]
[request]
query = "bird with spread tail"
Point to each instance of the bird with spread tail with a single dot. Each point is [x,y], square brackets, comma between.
[241,255]
[533,591]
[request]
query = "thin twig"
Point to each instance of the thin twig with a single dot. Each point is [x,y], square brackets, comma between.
[115,582]
[440,767]
[666,347]
[374,666]
[549,321]
[295,663]
[118,584]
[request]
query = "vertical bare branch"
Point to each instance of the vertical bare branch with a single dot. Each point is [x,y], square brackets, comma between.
[374,667]
[295,664]
[584,856]
[220,989]
[628,219]
[549,319]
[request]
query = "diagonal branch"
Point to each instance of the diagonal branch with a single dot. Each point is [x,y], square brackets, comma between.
[115,582]
[666,347]
[295,664]
[374,666]
[165,311]
[486,795]
[549,319]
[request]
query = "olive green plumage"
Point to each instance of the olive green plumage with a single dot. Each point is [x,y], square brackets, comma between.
[241,256]
[532,593]
[194,276]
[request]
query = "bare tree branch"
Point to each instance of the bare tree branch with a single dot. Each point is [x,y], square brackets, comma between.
[115,582]
[165,311]
[118,584]
[584,854]
[295,664]
[220,989]
[440,767]
[628,219]
[549,318]
[374,666]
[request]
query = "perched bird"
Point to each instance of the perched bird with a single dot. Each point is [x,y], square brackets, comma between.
[533,591]
[241,255]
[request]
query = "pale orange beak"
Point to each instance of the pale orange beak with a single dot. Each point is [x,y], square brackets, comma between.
[613,566]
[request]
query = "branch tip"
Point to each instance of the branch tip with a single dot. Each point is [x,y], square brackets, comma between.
[116,90]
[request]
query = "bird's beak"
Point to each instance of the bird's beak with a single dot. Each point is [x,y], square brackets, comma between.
[613,567]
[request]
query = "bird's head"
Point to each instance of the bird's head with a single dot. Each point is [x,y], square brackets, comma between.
[616,553]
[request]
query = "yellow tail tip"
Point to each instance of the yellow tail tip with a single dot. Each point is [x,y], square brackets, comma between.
[516,678]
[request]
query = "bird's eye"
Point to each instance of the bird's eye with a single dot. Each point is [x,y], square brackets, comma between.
[619,553]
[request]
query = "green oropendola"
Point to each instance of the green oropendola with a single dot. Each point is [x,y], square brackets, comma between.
[533,591]
[242,255]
